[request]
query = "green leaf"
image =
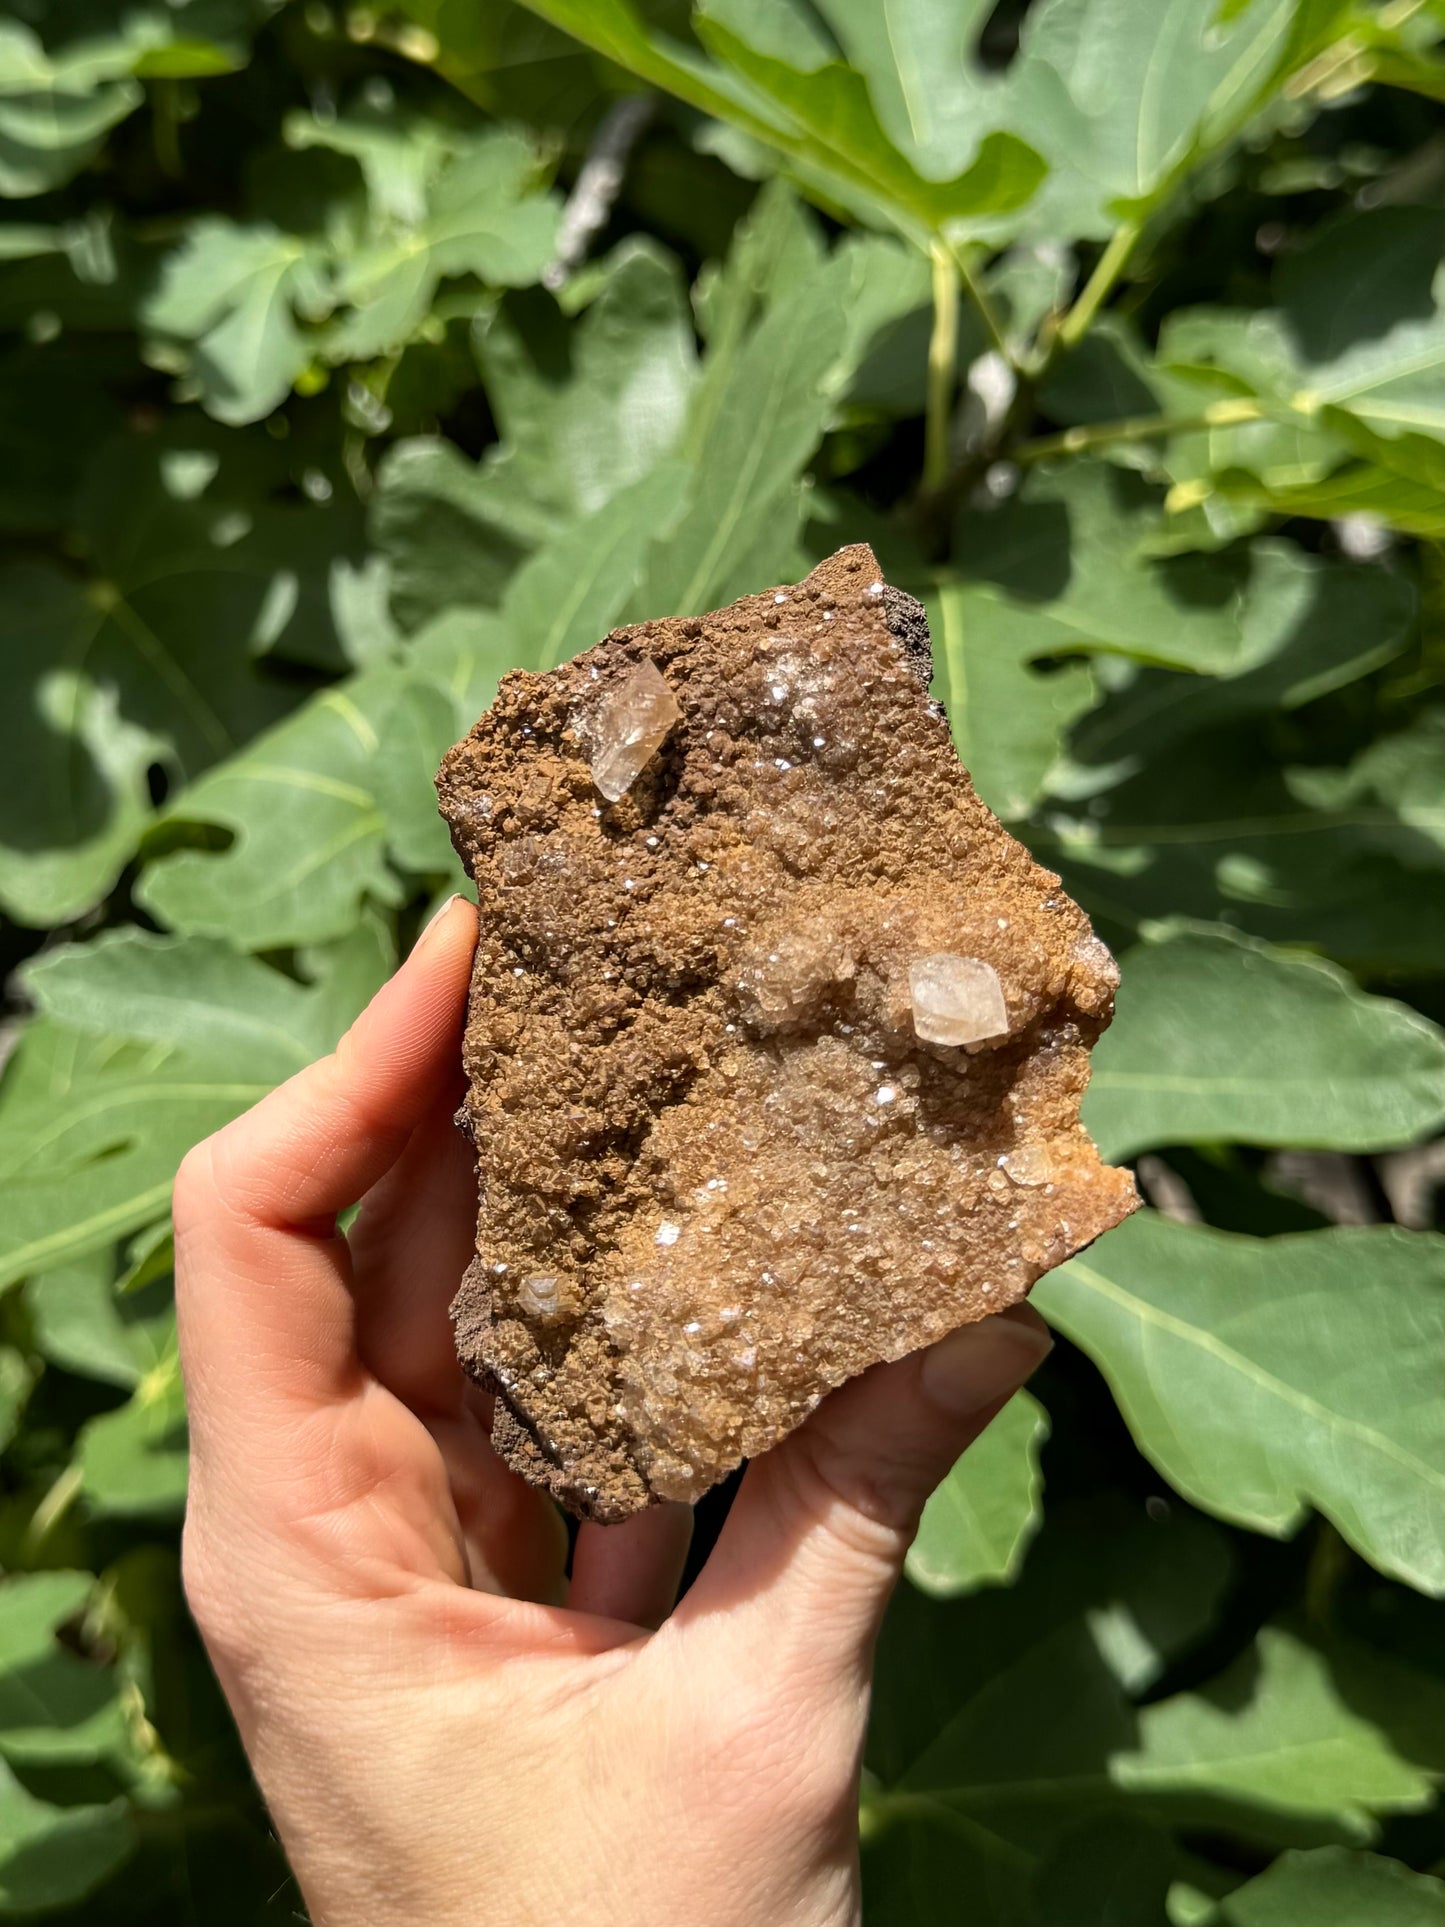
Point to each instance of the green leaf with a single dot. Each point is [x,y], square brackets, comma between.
[54,112]
[773,79]
[1274,1734]
[1333,1887]
[134,1461]
[1353,621]
[146,659]
[1270,1750]
[452,530]
[53,1856]
[1219,1039]
[916,60]
[235,292]
[1009,721]
[1265,1376]
[482,217]
[890,116]
[465,653]
[144,1045]
[55,1707]
[759,416]
[83,1325]
[1355,344]
[1142,1584]
[15,1382]
[977,1525]
[1109,1871]
[589,407]
[1405,772]
[413,731]
[1218,832]
[585,409]
[1122,97]
[567,595]
[1067,568]
[308,845]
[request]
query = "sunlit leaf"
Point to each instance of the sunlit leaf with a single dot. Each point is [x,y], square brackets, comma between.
[53,1856]
[1266,1376]
[1218,1039]
[145,1045]
[55,1706]
[977,1526]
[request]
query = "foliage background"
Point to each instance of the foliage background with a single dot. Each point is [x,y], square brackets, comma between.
[1119,327]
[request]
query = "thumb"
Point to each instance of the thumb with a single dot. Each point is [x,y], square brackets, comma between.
[815,1541]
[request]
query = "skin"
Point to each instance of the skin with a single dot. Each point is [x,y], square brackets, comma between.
[444,1728]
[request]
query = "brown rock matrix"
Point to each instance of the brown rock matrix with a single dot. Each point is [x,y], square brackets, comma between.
[776,1040]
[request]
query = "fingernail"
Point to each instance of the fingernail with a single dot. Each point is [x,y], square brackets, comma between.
[984,1362]
[435,919]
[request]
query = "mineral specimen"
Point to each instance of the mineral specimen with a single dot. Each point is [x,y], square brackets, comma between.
[776,1039]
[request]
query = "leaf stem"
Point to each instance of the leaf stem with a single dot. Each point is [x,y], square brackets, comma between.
[165,128]
[982,301]
[52,1509]
[942,367]
[1097,289]
[1137,428]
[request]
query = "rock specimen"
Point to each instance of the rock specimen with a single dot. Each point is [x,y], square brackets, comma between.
[776,1039]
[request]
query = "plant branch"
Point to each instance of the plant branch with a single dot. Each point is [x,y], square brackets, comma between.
[942,368]
[1100,284]
[1137,428]
[599,182]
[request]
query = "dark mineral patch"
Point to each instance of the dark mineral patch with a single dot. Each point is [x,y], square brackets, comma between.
[776,1040]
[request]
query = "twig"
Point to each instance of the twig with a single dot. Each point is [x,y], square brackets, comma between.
[598,184]
[942,368]
[1137,428]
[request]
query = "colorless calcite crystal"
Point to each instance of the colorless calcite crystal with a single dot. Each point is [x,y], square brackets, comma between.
[632,724]
[956,1000]
[775,1047]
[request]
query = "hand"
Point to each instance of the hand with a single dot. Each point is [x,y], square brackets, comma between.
[441,1739]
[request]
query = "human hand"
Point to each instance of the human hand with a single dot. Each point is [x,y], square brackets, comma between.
[440,1739]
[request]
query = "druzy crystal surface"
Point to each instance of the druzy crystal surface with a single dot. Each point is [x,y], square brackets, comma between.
[774,1052]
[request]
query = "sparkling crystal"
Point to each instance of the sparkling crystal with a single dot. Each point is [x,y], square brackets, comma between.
[956,1000]
[540,1297]
[790,977]
[1028,1164]
[632,725]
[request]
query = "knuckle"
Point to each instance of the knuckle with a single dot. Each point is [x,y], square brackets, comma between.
[864,1498]
[195,1185]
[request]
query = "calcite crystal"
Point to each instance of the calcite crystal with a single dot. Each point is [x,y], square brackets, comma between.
[776,1039]
[632,723]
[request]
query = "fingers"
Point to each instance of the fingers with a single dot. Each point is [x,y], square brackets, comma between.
[412,1240]
[513,1536]
[262,1283]
[632,1571]
[815,1541]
